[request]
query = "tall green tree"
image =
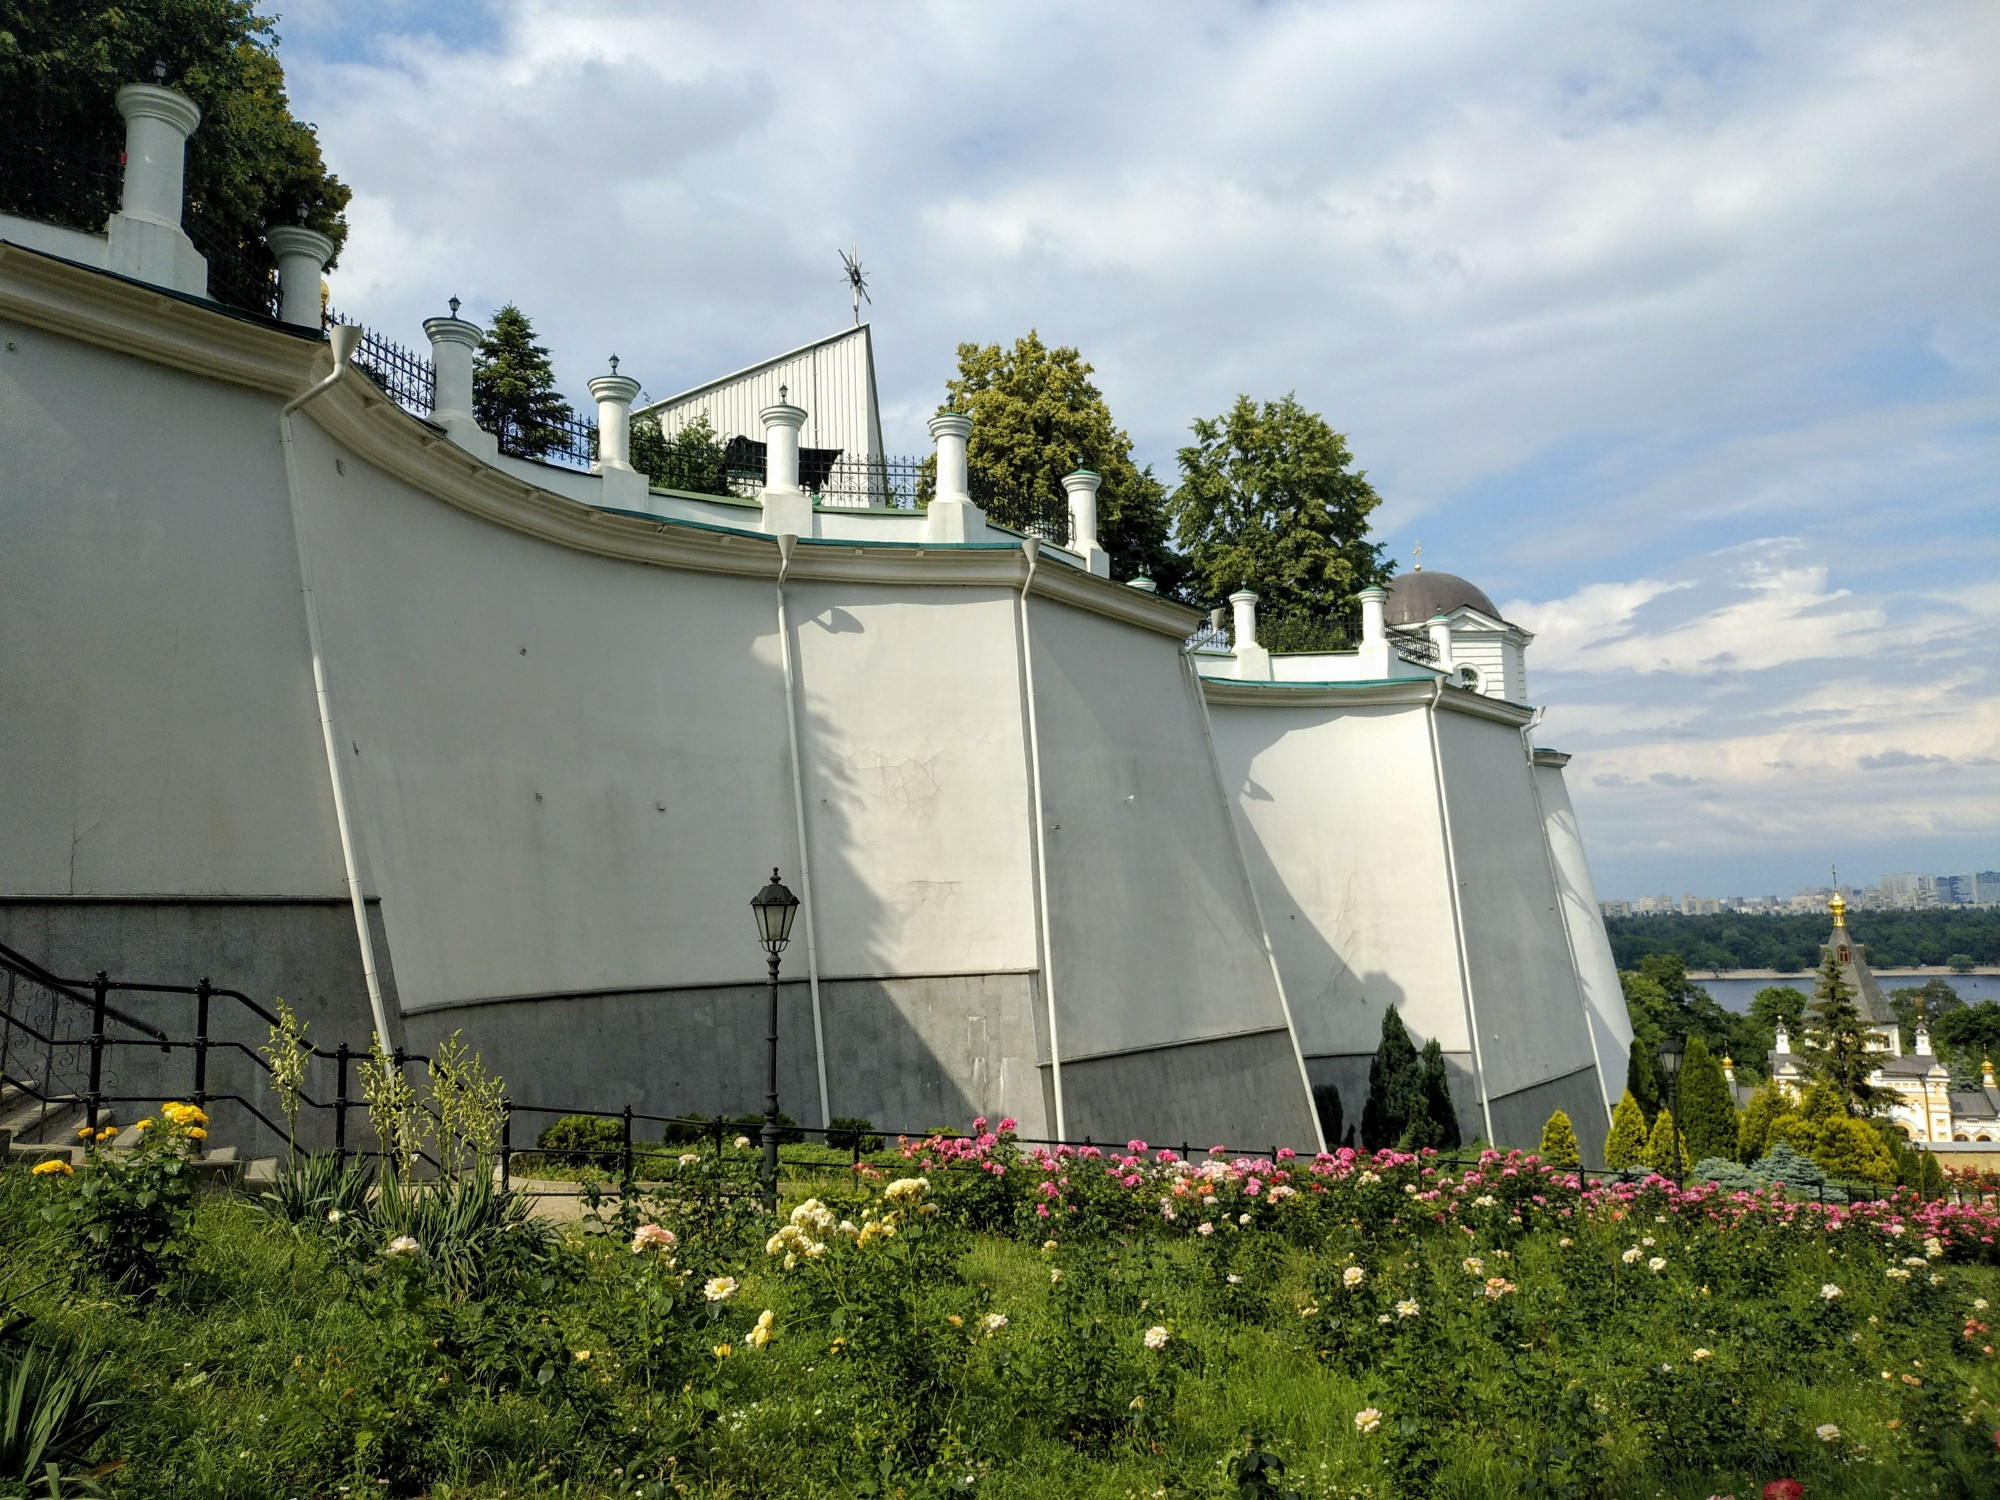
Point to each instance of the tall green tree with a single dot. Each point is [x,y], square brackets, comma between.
[1396,1098]
[1036,416]
[250,165]
[1932,1000]
[1707,1112]
[1768,1103]
[514,388]
[1836,1038]
[1642,1080]
[1660,1145]
[1778,1005]
[1437,1127]
[1269,499]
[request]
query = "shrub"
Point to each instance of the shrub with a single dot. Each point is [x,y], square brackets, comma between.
[583,1140]
[1959,963]
[1625,1146]
[1559,1142]
[1729,1175]
[1662,1143]
[789,1133]
[845,1131]
[687,1130]
[126,1217]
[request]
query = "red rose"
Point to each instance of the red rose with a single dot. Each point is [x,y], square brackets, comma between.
[1784,1489]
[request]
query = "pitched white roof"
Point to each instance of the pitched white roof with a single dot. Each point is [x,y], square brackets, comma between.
[833,379]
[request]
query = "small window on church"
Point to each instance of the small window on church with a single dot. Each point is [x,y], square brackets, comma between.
[1843,953]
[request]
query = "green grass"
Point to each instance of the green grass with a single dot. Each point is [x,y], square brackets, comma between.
[273,1368]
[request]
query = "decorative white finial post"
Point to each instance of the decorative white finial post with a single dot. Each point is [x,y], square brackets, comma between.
[952,516]
[624,486]
[1374,651]
[1440,629]
[454,341]
[787,508]
[146,239]
[158,122]
[302,255]
[1252,660]
[1082,487]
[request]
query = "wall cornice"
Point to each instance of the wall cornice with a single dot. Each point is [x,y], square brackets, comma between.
[1237,693]
[185,334]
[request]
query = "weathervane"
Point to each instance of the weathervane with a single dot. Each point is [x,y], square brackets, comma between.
[857,279]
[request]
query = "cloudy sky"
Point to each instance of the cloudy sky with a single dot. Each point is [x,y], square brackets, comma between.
[1675,328]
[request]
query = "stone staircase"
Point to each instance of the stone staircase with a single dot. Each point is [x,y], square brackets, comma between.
[33,1130]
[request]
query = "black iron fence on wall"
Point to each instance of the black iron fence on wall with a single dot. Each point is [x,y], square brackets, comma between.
[400,373]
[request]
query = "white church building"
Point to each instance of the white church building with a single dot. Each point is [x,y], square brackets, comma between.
[316,693]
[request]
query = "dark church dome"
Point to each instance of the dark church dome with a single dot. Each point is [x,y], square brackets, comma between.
[1415,597]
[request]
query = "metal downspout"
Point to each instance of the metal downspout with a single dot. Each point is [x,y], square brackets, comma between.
[786,542]
[1457,911]
[1031,547]
[343,339]
[1250,884]
[1562,913]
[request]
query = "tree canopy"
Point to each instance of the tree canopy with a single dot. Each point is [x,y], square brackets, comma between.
[250,165]
[1037,416]
[514,388]
[1790,942]
[1269,499]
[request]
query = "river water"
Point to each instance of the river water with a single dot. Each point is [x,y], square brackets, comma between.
[1736,994]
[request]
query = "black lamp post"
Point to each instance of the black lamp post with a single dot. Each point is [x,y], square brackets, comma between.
[1671,1051]
[774,907]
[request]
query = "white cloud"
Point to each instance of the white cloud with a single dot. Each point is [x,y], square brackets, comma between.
[1609,297]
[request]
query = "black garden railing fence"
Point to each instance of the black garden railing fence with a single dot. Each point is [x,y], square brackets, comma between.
[48,1058]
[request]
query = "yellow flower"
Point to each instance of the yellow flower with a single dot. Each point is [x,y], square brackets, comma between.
[197,1134]
[582,1355]
[722,1351]
[143,1125]
[52,1168]
[83,1131]
[109,1132]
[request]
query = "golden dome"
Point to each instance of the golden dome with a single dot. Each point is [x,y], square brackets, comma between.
[1838,906]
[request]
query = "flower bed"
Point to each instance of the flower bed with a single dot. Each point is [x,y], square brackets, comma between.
[968,1316]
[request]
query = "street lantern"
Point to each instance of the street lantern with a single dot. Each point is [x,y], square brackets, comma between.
[1671,1052]
[774,907]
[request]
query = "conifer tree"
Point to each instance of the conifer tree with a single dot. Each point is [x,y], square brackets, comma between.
[1753,1128]
[514,389]
[1660,1144]
[1437,1126]
[1836,1043]
[1708,1114]
[1332,1113]
[1559,1142]
[1395,1086]
[1625,1146]
[1641,1081]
